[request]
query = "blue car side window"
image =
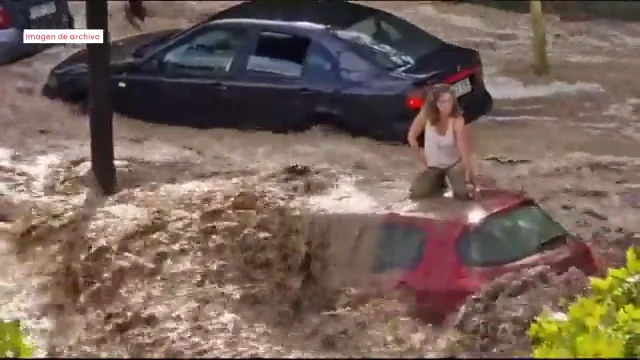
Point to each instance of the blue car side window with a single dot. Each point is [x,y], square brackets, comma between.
[399,248]
[278,54]
[214,50]
[319,65]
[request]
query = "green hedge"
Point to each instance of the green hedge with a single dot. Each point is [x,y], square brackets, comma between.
[603,324]
[12,342]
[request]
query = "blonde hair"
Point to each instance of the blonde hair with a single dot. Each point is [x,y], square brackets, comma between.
[431,103]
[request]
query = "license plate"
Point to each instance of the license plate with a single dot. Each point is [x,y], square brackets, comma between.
[462,87]
[42,10]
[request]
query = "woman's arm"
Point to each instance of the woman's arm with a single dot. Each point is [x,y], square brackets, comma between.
[463,143]
[416,129]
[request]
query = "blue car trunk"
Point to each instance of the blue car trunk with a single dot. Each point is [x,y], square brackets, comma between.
[39,14]
[32,14]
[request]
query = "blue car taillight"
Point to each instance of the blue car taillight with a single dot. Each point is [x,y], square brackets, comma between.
[5,20]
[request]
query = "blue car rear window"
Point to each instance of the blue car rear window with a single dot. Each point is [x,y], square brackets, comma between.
[390,41]
[399,248]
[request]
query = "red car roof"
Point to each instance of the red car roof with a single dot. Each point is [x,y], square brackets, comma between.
[488,201]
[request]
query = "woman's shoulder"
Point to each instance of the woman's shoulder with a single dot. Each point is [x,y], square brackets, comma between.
[457,121]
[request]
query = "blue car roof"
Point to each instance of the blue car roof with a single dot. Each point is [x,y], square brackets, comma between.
[330,13]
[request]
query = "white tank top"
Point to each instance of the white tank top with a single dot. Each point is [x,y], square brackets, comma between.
[441,150]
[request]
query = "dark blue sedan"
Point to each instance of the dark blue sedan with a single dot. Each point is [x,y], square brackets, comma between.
[284,66]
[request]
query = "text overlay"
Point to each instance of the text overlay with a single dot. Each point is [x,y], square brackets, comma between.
[67,36]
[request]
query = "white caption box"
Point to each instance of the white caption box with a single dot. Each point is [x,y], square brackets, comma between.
[66,36]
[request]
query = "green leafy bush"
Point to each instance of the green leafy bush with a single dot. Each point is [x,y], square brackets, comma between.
[12,343]
[603,324]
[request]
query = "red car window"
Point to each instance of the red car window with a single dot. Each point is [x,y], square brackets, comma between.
[399,247]
[508,237]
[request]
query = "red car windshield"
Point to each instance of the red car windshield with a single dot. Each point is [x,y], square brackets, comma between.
[508,237]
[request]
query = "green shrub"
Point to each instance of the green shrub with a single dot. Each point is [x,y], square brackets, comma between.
[603,324]
[12,343]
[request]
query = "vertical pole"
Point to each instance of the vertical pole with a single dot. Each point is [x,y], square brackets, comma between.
[541,62]
[100,106]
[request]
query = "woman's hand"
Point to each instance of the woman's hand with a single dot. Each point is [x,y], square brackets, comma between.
[464,147]
[471,190]
[469,176]
[416,129]
[424,164]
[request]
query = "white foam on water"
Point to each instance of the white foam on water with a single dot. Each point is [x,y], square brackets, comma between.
[592,42]
[38,163]
[502,87]
[344,198]
[458,20]
[590,59]
[126,212]
[197,186]
[604,125]
[85,167]
[633,133]
[624,110]
[37,167]
[156,151]
[617,36]
[526,107]
[520,118]
[6,154]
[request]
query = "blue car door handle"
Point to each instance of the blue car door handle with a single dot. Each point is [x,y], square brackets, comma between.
[220,86]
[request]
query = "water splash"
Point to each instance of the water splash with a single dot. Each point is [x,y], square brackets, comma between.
[344,198]
[502,87]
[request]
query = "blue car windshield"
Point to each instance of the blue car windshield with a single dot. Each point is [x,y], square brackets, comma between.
[508,237]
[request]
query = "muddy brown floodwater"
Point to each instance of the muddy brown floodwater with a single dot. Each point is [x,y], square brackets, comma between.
[200,252]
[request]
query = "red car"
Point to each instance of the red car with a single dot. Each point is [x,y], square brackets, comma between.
[449,249]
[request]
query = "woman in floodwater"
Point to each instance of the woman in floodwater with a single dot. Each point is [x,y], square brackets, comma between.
[447,153]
